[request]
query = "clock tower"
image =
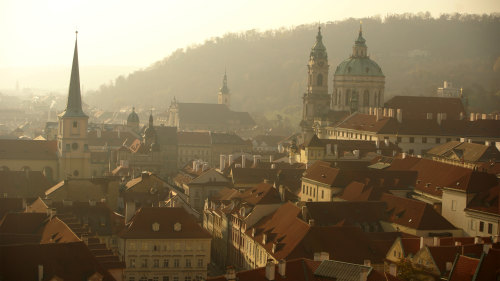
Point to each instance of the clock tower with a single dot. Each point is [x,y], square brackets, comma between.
[72,142]
[316,100]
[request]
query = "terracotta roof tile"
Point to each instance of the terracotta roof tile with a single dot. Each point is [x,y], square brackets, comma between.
[489,266]
[443,254]
[353,212]
[463,269]
[414,107]
[23,184]
[28,149]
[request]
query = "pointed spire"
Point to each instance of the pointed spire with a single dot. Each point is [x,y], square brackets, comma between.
[360,40]
[74,105]
[224,89]
[319,50]
[151,119]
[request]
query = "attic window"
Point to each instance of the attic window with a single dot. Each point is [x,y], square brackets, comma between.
[156,226]
[177,227]
[428,184]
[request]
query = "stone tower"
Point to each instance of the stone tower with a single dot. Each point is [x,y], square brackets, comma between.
[316,100]
[358,82]
[224,96]
[72,140]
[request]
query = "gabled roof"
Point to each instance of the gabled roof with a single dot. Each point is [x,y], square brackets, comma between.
[487,201]
[56,231]
[28,149]
[23,223]
[141,225]
[262,193]
[443,254]
[414,214]
[469,152]
[489,266]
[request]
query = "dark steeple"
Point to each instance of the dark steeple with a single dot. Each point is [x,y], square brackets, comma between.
[74,106]
[224,89]
[151,119]
[319,50]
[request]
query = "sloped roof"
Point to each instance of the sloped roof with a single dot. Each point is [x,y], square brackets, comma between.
[463,268]
[140,226]
[489,266]
[56,231]
[69,261]
[469,152]
[28,149]
[269,140]
[414,107]
[443,254]
[193,138]
[414,214]
[208,113]
[111,138]
[331,213]
[338,270]
[23,223]
[10,205]
[487,201]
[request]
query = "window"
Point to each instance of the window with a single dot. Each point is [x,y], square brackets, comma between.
[75,124]
[303,188]
[156,263]
[143,278]
[490,228]
[131,278]
[448,139]
[200,262]
[188,262]
[438,140]
[320,80]
[187,278]
[176,263]
[165,278]
[366,98]
[481,226]
[176,278]
[68,147]
[156,278]
[165,263]
[424,139]
[453,205]
[322,194]
[144,263]
[412,139]
[132,263]
[399,139]
[472,224]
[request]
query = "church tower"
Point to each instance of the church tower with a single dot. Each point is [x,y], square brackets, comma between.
[72,141]
[316,100]
[223,97]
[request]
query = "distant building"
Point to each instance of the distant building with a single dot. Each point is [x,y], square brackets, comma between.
[206,116]
[448,91]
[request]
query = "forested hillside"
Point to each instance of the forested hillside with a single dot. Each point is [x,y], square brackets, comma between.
[267,70]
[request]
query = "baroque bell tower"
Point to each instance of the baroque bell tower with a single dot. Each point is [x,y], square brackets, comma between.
[223,96]
[316,100]
[72,141]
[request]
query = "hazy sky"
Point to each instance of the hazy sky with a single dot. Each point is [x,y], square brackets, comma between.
[138,33]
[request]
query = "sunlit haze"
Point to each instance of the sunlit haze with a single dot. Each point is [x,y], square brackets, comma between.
[38,36]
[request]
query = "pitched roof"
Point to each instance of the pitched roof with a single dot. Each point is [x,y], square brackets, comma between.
[338,270]
[28,149]
[299,269]
[10,205]
[465,151]
[111,138]
[414,214]
[489,266]
[414,107]
[208,113]
[56,231]
[443,254]
[140,226]
[352,212]
[193,138]
[69,261]
[23,223]
[487,201]
[463,268]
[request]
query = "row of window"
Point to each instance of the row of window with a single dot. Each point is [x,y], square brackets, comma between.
[145,246]
[311,191]
[165,263]
[354,93]
[166,278]
[482,225]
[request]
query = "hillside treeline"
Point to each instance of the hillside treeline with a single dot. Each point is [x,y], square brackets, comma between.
[267,70]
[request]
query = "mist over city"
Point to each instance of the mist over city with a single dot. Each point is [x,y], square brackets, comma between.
[223,140]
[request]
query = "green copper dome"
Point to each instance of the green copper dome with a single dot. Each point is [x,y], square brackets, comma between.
[359,66]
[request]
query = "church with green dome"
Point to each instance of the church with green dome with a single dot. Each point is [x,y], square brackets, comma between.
[358,82]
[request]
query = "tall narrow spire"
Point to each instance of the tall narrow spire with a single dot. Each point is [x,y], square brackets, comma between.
[74,105]
[224,89]
[151,119]
[319,50]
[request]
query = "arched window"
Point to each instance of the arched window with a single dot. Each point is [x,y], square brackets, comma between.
[347,97]
[320,80]
[366,98]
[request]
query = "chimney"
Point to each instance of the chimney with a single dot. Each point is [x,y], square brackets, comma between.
[438,118]
[304,213]
[271,158]
[281,190]
[393,269]
[321,256]
[99,133]
[367,263]
[496,238]
[385,112]
[274,248]
[399,115]
[264,239]
[436,242]
[449,265]
[270,268]
[478,240]
[195,166]
[273,166]
[472,116]
[487,143]
[230,273]
[118,132]
[40,272]
[311,222]
[462,116]
[282,268]
[458,243]
[253,231]
[486,248]
[377,114]
[335,150]
[370,111]
[243,160]
[363,275]
[317,256]
[222,162]
[478,116]
[484,116]
[230,156]
[422,244]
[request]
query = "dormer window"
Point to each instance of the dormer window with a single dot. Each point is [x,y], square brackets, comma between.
[177,226]
[156,227]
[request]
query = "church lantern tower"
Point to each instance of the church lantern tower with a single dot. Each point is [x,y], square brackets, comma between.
[224,96]
[72,140]
[316,100]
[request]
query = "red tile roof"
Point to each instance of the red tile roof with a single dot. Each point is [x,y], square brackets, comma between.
[463,269]
[487,201]
[56,231]
[28,149]
[140,226]
[69,261]
[415,107]
[352,212]
[23,184]
[414,214]
[443,254]
[23,223]
[489,266]
[8,205]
